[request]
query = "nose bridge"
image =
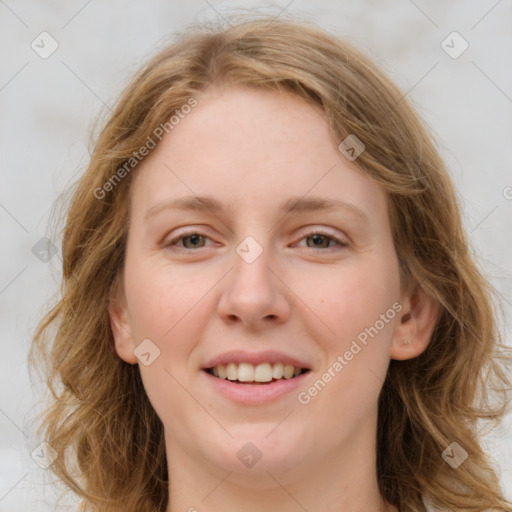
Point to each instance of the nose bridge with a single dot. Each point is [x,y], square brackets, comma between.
[250,250]
[251,273]
[252,291]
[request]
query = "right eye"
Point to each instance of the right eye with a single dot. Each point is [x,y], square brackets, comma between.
[194,238]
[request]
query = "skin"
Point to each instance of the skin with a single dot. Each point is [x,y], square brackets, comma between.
[252,150]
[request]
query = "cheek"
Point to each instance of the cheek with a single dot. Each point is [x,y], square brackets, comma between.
[162,298]
[358,306]
[166,307]
[352,299]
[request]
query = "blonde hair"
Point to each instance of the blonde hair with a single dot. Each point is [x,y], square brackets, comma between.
[108,436]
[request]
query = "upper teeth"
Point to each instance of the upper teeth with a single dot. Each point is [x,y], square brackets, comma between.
[265,372]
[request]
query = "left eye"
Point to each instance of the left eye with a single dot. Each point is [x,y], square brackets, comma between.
[318,238]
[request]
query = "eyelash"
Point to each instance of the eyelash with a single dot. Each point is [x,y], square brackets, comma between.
[171,245]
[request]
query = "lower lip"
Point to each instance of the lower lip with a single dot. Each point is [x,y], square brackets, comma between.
[255,393]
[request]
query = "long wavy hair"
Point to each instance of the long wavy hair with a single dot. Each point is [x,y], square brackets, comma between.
[100,421]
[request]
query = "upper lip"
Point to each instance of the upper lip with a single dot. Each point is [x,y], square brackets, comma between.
[255,358]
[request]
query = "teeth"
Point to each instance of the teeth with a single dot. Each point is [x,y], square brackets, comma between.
[232,371]
[288,371]
[245,372]
[278,371]
[264,372]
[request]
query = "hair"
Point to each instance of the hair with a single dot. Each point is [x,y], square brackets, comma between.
[100,421]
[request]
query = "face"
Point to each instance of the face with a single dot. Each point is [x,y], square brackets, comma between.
[244,279]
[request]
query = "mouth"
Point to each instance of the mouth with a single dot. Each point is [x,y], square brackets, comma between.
[260,374]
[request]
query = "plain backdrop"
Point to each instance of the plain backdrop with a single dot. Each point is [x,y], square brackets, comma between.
[48,106]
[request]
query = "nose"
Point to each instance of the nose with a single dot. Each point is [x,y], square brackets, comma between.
[254,293]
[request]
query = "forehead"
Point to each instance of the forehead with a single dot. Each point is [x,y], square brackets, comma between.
[255,148]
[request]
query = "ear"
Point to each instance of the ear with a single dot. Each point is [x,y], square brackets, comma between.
[415,324]
[120,325]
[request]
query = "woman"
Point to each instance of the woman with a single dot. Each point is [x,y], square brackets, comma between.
[268,298]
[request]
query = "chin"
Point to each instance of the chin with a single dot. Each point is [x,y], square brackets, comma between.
[254,452]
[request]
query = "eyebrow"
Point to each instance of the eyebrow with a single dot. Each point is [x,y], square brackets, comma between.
[294,204]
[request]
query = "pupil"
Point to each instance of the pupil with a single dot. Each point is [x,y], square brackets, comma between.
[194,239]
[317,239]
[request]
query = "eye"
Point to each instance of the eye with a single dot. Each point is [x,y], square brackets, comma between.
[319,238]
[194,238]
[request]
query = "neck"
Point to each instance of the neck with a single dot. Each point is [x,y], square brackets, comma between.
[344,479]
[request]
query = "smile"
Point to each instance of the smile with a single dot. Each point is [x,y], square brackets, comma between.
[261,373]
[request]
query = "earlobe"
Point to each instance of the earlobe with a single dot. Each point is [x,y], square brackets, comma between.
[121,330]
[414,328]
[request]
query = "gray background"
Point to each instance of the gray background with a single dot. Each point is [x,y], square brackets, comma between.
[47,107]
